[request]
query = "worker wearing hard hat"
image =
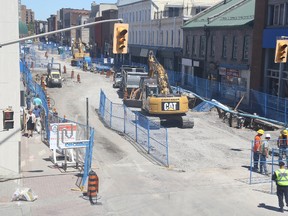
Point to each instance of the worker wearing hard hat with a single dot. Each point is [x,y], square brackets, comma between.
[264,153]
[256,148]
[281,178]
[282,144]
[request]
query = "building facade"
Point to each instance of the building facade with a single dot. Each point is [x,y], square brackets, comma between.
[156,26]
[218,44]
[10,85]
[271,23]
[101,35]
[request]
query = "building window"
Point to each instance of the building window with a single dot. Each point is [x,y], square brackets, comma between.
[224,47]
[234,48]
[179,37]
[194,38]
[246,47]
[152,41]
[166,38]
[212,48]
[202,45]
[172,38]
[136,38]
[161,37]
[140,37]
[157,38]
[187,46]
[277,14]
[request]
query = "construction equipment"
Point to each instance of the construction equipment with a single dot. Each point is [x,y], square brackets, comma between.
[79,51]
[131,76]
[54,77]
[158,102]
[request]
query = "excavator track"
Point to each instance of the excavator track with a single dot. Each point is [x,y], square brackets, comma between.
[187,122]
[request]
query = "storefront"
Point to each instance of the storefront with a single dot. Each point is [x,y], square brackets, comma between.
[235,81]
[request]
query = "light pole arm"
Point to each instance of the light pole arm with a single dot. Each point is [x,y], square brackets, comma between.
[58,31]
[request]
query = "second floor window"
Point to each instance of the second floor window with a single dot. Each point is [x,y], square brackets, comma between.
[224,47]
[187,46]
[234,48]
[172,38]
[179,36]
[246,47]
[167,38]
[194,53]
[202,45]
[212,48]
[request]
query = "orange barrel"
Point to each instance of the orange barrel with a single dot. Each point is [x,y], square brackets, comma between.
[48,101]
[78,78]
[93,184]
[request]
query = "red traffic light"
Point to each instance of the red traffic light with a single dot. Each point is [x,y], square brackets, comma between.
[8,115]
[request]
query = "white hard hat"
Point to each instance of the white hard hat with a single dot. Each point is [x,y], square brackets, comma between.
[267,136]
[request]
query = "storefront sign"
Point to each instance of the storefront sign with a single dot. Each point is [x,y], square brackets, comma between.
[70,134]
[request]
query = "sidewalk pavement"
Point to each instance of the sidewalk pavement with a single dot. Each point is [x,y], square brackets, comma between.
[56,189]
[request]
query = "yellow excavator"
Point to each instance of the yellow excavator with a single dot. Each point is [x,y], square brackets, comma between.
[78,49]
[158,102]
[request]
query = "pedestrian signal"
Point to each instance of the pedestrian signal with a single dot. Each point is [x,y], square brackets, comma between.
[8,119]
[120,38]
[281,51]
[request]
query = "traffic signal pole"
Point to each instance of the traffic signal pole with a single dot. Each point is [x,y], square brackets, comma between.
[58,31]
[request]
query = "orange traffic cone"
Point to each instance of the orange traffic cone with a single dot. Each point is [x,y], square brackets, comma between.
[48,102]
[78,78]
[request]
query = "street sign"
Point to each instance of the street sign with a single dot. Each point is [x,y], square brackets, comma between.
[76,144]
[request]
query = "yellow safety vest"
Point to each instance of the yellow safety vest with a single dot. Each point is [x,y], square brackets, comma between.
[282,177]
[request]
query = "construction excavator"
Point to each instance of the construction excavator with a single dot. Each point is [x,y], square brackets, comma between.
[158,102]
[79,52]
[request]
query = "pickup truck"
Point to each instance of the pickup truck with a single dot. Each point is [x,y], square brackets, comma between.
[54,75]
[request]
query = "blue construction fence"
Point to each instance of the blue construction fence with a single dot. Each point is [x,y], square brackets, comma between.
[149,135]
[265,105]
[48,117]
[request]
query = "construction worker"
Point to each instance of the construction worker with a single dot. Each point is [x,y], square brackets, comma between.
[256,148]
[281,178]
[264,150]
[282,144]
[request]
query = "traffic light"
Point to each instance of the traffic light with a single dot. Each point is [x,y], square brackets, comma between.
[120,38]
[281,51]
[8,119]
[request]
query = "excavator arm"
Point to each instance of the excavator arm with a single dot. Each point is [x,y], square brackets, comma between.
[156,69]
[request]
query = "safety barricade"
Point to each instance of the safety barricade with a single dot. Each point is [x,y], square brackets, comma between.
[148,135]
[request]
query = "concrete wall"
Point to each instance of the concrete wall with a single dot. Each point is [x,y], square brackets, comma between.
[9,86]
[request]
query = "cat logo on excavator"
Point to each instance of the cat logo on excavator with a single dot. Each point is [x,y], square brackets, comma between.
[170,106]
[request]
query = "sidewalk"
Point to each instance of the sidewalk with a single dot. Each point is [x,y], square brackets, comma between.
[51,184]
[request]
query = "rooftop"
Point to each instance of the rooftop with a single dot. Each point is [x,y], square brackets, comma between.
[225,13]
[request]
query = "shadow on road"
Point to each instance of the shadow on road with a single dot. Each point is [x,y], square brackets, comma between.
[268,207]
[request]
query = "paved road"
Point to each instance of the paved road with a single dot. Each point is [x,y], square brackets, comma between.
[200,181]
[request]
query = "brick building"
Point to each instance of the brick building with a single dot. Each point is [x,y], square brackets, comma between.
[218,44]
